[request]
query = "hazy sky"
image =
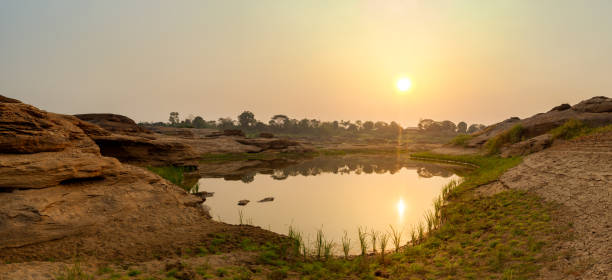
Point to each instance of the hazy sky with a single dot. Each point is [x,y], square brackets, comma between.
[477,61]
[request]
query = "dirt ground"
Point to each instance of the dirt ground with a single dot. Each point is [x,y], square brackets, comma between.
[577,175]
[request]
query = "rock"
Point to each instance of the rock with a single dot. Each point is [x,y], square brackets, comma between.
[267,199]
[561,107]
[4,99]
[204,194]
[59,196]
[227,132]
[173,131]
[266,135]
[529,146]
[243,202]
[144,151]
[40,149]
[113,123]
[268,144]
[593,112]
[598,104]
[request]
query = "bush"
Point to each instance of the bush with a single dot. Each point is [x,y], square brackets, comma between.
[510,136]
[461,140]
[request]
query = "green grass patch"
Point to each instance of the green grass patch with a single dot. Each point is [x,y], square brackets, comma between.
[174,174]
[461,140]
[510,136]
[576,128]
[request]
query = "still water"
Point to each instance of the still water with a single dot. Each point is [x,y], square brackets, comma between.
[334,194]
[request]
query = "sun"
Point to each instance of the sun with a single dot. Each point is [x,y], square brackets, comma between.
[404,84]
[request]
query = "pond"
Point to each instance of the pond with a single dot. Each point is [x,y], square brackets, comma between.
[335,194]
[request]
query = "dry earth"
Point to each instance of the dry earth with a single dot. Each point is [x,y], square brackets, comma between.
[578,175]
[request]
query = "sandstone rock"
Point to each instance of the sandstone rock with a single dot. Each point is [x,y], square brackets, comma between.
[243,202]
[561,107]
[269,144]
[4,99]
[266,135]
[40,149]
[113,123]
[529,146]
[267,199]
[173,131]
[139,150]
[594,112]
[598,104]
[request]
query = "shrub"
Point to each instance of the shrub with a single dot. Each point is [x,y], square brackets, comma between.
[461,140]
[510,136]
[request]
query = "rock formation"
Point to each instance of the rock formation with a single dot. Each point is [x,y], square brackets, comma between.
[596,111]
[59,196]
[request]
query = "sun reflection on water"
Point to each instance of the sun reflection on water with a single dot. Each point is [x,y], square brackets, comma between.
[401,208]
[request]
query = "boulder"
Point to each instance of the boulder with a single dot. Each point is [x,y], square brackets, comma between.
[267,199]
[528,146]
[243,202]
[598,104]
[561,107]
[268,144]
[113,123]
[266,135]
[227,132]
[40,149]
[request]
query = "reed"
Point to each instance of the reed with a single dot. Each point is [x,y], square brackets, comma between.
[397,237]
[362,240]
[346,245]
[421,232]
[430,220]
[413,235]
[319,244]
[373,237]
[296,238]
[328,247]
[383,239]
[304,250]
[241,217]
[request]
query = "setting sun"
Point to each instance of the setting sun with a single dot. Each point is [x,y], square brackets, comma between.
[404,84]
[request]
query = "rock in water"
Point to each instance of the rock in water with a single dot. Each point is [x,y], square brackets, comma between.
[267,199]
[243,202]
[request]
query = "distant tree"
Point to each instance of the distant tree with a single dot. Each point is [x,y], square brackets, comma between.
[174,118]
[225,123]
[198,122]
[379,125]
[462,127]
[448,126]
[304,124]
[475,128]
[279,121]
[247,119]
[368,125]
[394,128]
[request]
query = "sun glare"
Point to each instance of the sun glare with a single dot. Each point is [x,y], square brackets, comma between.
[404,84]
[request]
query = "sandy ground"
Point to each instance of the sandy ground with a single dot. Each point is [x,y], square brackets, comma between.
[577,175]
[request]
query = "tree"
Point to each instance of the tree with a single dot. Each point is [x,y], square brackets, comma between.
[279,120]
[174,118]
[448,126]
[462,127]
[247,119]
[198,122]
[225,123]
[475,128]
[368,125]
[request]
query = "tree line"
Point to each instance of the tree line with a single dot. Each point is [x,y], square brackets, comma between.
[246,121]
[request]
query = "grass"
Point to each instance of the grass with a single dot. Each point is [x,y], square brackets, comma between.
[576,128]
[513,135]
[73,273]
[174,174]
[461,140]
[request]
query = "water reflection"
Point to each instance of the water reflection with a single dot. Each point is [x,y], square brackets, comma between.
[336,193]
[344,165]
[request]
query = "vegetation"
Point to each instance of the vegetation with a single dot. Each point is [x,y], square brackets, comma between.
[286,126]
[510,136]
[576,128]
[73,273]
[461,140]
[174,174]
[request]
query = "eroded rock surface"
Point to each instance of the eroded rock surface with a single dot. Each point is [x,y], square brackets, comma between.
[578,175]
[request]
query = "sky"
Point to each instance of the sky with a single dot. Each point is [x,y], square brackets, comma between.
[474,61]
